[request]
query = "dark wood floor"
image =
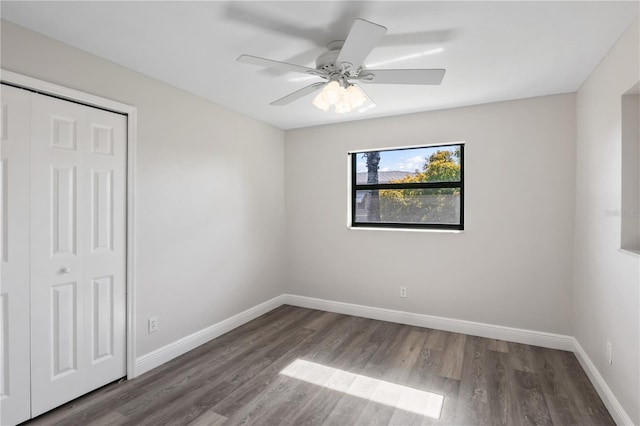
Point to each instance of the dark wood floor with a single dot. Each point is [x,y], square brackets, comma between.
[354,371]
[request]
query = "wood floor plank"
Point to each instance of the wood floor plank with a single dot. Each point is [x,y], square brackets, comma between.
[453,356]
[473,399]
[424,376]
[375,413]
[436,339]
[322,320]
[111,419]
[498,346]
[306,367]
[405,361]
[407,355]
[208,418]
[450,389]
[503,402]
[521,358]
[533,406]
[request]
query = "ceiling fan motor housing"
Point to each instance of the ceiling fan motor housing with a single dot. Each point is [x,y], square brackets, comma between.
[327,60]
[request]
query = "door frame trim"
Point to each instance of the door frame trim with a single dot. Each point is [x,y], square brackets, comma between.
[65,93]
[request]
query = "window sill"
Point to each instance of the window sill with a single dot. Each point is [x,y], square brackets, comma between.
[438,231]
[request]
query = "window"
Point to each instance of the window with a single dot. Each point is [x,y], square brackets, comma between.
[421,187]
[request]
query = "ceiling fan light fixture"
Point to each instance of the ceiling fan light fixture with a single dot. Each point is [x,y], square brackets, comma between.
[343,100]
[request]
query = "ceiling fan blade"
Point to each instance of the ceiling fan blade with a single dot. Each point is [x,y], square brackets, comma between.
[362,38]
[270,63]
[371,103]
[432,77]
[298,94]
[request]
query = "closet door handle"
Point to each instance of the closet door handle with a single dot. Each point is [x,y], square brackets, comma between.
[65,270]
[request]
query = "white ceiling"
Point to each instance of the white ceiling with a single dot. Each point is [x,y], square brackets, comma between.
[492,50]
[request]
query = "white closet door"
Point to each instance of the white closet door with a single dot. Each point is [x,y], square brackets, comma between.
[14,251]
[78,250]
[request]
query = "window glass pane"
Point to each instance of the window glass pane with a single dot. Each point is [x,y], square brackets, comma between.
[430,164]
[410,206]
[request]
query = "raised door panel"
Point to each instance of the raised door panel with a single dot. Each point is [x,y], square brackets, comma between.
[64,326]
[14,255]
[63,213]
[4,200]
[103,329]
[5,345]
[63,132]
[102,210]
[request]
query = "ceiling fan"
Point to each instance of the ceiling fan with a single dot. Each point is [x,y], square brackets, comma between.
[342,69]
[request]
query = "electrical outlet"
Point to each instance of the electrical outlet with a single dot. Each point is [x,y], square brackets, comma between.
[403,292]
[609,359]
[153,324]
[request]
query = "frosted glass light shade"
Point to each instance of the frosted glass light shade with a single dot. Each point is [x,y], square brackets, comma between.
[356,97]
[320,103]
[332,92]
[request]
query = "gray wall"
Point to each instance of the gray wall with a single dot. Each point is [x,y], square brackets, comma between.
[512,266]
[607,280]
[210,191]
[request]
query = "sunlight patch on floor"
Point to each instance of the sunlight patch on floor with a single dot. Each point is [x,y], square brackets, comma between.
[394,395]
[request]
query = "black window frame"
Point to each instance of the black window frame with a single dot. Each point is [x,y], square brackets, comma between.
[421,185]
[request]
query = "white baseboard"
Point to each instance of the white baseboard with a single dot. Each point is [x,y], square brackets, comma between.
[610,401]
[166,353]
[173,350]
[518,335]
